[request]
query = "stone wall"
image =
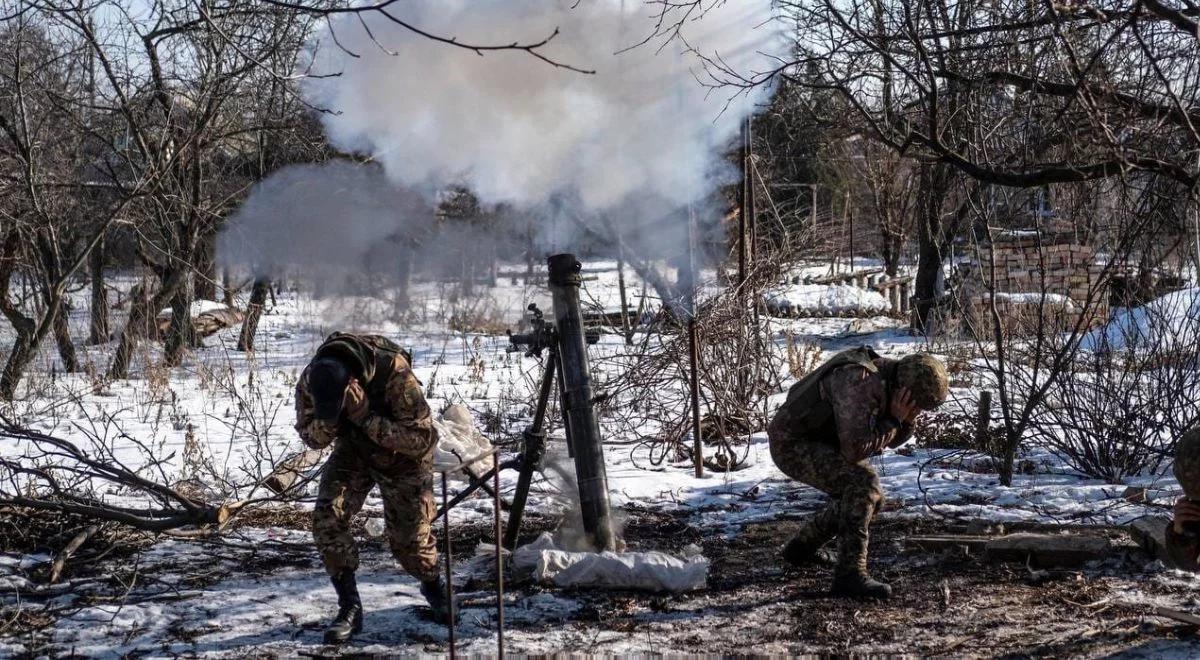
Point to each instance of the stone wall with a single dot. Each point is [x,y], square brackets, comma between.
[1057,277]
[1070,269]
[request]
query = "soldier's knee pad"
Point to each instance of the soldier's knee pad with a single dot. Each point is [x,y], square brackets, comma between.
[400,545]
[869,492]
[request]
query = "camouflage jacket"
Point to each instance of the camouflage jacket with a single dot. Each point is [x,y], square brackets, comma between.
[861,415]
[399,421]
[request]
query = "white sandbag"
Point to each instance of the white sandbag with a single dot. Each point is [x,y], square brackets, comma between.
[460,441]
[643,571]
[525,558]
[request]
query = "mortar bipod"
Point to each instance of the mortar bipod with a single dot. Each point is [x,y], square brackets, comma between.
[541,338]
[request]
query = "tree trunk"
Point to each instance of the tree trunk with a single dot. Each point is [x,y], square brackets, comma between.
[98,326]
[18,361]
[141,318]
[928,284]
[29,337]
[403,277]
[62,337]
[625,321]
[467,275]
[258,298]
[493,267]
[227,288]
[205,277]
[182,334]
[1008,459]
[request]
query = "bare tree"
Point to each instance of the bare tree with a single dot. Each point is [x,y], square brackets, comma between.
[1018,95]
[45,159]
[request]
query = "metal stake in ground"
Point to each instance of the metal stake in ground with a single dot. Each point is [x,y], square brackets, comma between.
[499,567]
[577,384]
[449,560]
[694,348]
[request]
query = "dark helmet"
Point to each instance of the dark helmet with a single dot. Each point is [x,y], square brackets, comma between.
[924,376]
[327,381]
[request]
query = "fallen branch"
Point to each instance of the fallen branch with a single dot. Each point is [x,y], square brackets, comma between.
[57,475]
[60,561]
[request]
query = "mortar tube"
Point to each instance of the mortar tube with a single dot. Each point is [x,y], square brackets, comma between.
[577,389]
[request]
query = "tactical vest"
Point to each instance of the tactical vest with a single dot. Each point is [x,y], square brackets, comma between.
[375,355]
[811,414]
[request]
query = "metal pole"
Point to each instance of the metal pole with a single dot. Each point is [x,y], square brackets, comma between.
[751,212]
[449,581]
[577,385]
[813,188]
[499,564]
[1196,217]
[850,224]
[693,350]
[693,359]
[741,202]
[625,322]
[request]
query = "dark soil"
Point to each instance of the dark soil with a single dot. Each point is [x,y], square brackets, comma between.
[951,603]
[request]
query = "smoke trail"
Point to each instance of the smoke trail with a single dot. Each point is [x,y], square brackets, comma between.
[516,130]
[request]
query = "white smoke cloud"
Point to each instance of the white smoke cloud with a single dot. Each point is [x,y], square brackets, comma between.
[636,147]
[516,130]
[326,220]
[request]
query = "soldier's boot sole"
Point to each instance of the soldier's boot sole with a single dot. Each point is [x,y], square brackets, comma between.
[859,586]
[345,627]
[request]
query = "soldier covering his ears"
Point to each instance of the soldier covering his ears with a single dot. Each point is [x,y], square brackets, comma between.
[834,419]
[1183,534]
[360,395]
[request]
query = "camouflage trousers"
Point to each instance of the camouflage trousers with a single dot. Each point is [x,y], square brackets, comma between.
[855,494]
[408,509]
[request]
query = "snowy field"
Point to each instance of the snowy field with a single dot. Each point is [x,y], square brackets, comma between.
[219,422]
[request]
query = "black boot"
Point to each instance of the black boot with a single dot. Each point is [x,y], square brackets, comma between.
[801,552]
[350,612]
[859,585]
[434,592]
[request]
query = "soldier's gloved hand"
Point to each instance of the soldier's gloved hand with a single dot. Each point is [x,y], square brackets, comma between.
[356,402]
[903,408]
[1186,511]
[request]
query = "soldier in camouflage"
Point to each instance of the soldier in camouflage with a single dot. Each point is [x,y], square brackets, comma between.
[359,394]
[1183,534]
[834,419]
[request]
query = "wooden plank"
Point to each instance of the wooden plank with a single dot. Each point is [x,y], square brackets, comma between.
[970,543]
[1151,534]
[1183,617]
[290,470]
[1049,550]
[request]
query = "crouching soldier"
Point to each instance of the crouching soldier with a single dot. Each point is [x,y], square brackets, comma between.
[1183,534]
[360,395]
[834,419]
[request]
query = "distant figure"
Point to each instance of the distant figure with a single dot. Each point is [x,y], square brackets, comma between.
[845,411]
[360,395]
[1183,535]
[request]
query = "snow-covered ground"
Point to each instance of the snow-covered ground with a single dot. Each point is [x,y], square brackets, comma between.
[223,420]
